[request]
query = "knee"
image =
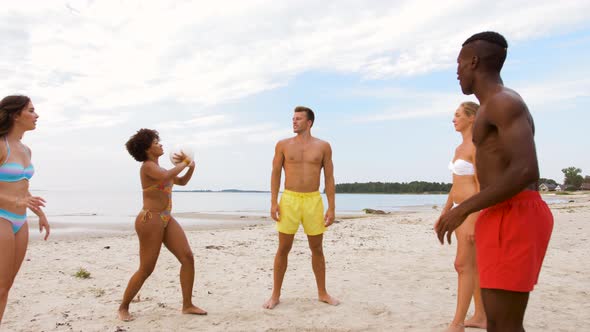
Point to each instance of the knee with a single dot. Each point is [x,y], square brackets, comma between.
[462,266]
[317,250]
[146,271]
[187,258]
[283,250]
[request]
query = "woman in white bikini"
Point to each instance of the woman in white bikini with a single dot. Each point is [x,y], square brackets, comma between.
[465,185]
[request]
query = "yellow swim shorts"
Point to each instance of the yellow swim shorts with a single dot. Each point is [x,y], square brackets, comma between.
[301,208]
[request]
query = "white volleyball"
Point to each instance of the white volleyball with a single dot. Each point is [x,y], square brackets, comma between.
[178,150]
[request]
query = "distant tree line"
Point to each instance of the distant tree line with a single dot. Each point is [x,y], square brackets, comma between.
[414,187]
[572,179]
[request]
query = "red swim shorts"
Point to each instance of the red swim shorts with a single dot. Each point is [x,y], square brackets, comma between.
[511,239]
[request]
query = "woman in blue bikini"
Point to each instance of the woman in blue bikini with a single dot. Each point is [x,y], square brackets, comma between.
[17,115]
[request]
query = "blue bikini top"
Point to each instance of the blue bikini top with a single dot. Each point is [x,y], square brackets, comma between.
[13,172]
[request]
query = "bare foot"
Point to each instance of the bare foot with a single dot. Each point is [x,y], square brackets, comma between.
[192,310]
[271,303]
[124,315]
[455,328]
[329,300]
[480,323]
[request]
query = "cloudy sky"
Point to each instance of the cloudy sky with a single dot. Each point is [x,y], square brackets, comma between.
[224,76]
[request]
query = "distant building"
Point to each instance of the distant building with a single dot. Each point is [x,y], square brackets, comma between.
[585,186]
[564,187]
[547,187]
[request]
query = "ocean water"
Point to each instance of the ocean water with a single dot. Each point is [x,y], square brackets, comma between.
[84,210]
[83,203]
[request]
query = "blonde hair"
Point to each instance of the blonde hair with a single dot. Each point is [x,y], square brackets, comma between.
[470,108]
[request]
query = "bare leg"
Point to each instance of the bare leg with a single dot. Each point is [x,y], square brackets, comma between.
[280,267]
[505,309]
[465,265]
[176,241]
[479,319]
[318,263]
[7,260]
[479,316]
[21,243]
[151,234]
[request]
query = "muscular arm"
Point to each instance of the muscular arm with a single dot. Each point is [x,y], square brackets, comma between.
[475,170]
[329,179]
[275,180]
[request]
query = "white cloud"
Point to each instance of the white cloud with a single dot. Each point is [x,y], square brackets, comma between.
[410,103]
[196,122]
[99,55]
[101,66]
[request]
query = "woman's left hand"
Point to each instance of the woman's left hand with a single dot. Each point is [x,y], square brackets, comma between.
[43,223]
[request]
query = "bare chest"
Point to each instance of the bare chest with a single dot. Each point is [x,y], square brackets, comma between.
[303,154]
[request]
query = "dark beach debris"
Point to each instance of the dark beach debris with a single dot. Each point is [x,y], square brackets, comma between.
[214,247]
[372,211]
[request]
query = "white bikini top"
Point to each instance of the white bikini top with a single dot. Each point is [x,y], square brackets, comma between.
[462,167]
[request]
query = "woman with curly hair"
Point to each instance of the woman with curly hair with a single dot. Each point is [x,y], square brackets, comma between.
[154,224]
[17,115]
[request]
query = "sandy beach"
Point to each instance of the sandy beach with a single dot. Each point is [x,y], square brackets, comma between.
[389,271]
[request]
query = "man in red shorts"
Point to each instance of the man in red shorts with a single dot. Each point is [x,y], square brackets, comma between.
[513,230]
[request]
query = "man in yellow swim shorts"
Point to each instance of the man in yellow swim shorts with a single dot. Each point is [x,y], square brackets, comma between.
[303,157]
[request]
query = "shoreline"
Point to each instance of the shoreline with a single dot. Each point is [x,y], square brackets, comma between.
[91,224]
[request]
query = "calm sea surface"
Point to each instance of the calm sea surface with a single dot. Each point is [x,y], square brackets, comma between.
[129,203]
[83,209]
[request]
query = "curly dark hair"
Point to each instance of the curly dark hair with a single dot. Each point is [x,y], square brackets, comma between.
[10,107]
[138,144]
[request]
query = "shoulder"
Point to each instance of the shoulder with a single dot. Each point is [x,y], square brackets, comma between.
[284,142]
[149,165]
[323,145]
[321,142]
[506,104]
